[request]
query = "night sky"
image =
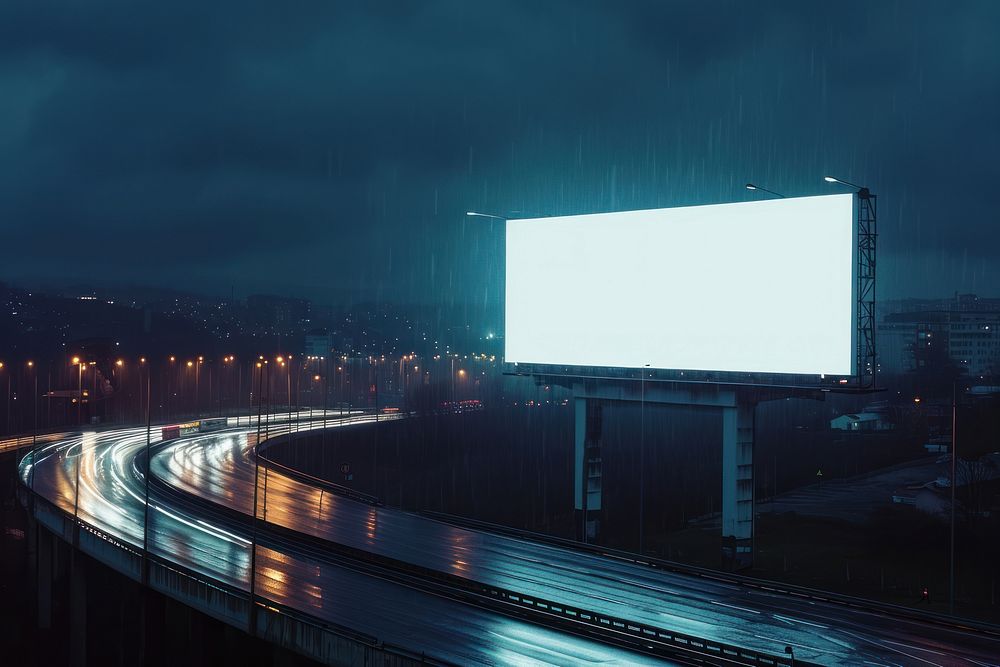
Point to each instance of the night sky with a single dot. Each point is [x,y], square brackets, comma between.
[330,151]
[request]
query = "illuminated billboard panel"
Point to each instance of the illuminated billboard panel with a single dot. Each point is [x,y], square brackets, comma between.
[754,287]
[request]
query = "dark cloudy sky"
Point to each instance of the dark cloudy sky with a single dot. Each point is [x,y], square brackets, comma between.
[327,148]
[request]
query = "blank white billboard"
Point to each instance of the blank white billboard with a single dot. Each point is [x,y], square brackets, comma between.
[755,287]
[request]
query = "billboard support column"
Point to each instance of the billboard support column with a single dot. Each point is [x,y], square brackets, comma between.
[588,484]
[737,483]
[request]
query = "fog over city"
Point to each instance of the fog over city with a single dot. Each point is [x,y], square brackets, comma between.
[331,152]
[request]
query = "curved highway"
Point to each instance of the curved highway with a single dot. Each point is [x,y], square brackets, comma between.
[111,499]
[202,498]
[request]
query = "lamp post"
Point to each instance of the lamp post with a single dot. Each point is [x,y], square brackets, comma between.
[7,431]
[375,446]
[78,362]
[170,371]
[34,426]
[751,186]
[197,380]
[256,481]
[145,507]
[79,457]
[642,454]
[863,192]
[954,484]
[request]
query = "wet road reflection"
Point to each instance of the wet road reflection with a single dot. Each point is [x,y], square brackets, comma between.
[106,467]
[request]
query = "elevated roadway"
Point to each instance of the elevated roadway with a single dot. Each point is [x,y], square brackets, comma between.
[450,592]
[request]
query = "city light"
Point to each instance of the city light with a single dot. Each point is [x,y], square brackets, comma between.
[76,361]
[30,364]
[173,358]
[190,364]
[119,363]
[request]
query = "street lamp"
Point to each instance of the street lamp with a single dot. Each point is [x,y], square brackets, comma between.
[863,192]
[474,214]
[7,432]
[80,364]
[751,186]
[34,427]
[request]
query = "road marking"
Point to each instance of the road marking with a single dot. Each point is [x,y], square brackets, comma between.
[836,641]
[732,606]
[916,648]
[880,644]
[799,620]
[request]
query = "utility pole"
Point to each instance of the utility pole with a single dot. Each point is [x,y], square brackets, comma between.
[954,483]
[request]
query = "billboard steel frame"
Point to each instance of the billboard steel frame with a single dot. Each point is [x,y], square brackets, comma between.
[863,379]
[867,239]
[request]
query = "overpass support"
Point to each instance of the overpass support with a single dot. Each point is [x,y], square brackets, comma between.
[588,484]
[736,407]
[737,485]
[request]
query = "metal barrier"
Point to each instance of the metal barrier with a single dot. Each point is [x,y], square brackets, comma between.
[305,635]
[778,587]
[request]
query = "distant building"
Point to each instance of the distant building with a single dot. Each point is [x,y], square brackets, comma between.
[862,421]
[318,343]
[965,331]
[278,313]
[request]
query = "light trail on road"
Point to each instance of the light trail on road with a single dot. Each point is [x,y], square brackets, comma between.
[111,500]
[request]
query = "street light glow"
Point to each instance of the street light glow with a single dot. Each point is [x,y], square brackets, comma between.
[474,214]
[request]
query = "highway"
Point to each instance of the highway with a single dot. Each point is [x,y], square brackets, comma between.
[112,499]
[204,485]
[219,470]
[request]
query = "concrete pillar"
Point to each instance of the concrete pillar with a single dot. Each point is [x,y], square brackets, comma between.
[737,485]
[588,484]
[44,573]
[78,609]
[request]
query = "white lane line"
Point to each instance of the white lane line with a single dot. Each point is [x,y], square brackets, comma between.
[984,664]
[915,648]
[732,606]
[836,641]
[799,620]
[889,648]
